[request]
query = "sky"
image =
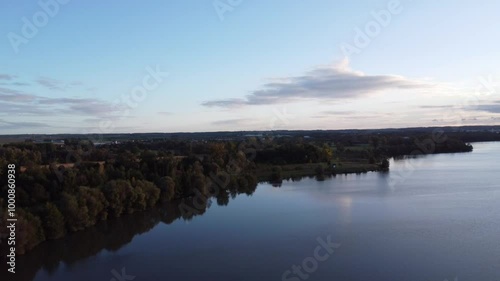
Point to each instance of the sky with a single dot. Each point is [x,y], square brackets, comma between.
[91,66]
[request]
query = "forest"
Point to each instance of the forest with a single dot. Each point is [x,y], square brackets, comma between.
[65,188]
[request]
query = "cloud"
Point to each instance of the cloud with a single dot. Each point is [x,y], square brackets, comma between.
[19,84]
[21,103]
[490,108]
[17,102]
[436,106]
[50,83]
[21,125]
[87,106]
[231,122]
[53,84]
[338,112]
[15,95]
[91,107]
[7,77]
[332,82]
[166,113]
[9,109]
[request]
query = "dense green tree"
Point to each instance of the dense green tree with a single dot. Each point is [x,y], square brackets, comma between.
[29,231]
[38,194]
[76,213]
[95,202]
[53,222]
[167,188]
[198,180]
[276,175]
[118,194]
[150,192]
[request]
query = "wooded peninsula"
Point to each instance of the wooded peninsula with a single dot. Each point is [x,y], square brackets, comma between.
[68,183]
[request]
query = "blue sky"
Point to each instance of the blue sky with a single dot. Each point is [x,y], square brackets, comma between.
[86,66]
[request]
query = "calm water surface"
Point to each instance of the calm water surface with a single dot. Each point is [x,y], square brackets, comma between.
[430,218]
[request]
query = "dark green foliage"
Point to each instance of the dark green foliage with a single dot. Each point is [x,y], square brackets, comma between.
[118,193]
[276,174]
[75,211]
[385,164]
[167,188]
[320,170]
[53,222]
[96,203]
[68,188]
[29,231]
[147,195]
[293,153]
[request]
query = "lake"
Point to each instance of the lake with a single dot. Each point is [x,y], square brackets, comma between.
[435,217]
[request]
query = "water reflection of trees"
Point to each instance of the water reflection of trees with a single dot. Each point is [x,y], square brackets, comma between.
[298,178]
[110,235]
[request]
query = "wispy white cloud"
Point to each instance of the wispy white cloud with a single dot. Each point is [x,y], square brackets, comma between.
[50,84]
[436,106]
[8,80]
[166,113]
[21,125]
[11,95]
[493,107]
[233,122]
[338,112]
[7,77]
[24,103]
[331,82]
[57,85]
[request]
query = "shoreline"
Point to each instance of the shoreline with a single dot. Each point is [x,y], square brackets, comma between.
[265,172]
